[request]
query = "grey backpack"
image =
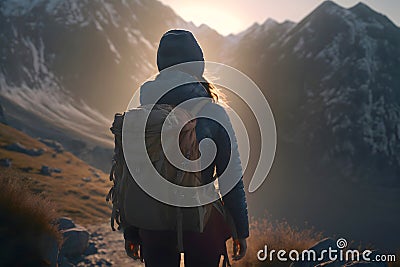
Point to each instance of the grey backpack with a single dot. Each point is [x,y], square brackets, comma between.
[134,207]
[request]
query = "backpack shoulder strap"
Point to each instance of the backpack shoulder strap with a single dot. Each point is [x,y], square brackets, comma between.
[116,169]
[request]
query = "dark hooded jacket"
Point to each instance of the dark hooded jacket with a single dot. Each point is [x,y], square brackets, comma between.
[235,200]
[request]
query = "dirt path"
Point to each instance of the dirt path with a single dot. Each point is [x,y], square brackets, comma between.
[110,248]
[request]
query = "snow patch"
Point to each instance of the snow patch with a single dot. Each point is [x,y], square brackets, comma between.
[59,108]
[114,50]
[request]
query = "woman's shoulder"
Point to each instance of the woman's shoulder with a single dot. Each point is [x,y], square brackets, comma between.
[152,91]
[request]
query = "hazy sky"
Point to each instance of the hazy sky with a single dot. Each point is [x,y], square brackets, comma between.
[227,16]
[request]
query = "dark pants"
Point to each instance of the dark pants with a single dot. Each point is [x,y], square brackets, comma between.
[159,248]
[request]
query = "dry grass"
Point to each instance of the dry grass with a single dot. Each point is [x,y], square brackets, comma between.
[28,235]
[75,198]
[22,210]
[276,235]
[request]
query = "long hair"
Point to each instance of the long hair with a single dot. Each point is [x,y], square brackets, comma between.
[211,89]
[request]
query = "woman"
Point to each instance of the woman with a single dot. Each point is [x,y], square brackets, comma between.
[159,248]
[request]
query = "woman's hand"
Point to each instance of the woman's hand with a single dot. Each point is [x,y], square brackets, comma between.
[133,250]
[239,249]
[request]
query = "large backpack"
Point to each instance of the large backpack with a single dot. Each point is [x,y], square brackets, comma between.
[134,207]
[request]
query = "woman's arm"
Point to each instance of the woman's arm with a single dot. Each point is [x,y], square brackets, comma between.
[227,149]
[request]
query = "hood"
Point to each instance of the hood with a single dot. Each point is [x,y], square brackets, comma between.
[184,87]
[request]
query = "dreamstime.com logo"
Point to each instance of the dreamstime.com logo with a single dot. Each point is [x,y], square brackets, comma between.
[336,253]
[230,79]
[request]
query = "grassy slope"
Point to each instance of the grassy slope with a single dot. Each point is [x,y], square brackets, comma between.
[82,201]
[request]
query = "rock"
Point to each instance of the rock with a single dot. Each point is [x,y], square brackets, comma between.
[17,147]
[76,241]
[45,170]
[52,144]
[65,223]
[86,179]
[5,162]
[26,169]
[91,249]
[57,170]
[103,262]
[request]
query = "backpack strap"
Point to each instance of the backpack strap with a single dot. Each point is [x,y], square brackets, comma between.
[179,229]
[115,173]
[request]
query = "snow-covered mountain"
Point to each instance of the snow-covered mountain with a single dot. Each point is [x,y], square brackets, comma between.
[333,81]
[67,66]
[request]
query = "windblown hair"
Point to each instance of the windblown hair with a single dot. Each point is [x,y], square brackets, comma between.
[211,89]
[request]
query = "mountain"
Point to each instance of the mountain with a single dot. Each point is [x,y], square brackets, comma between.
[97,51]
[333,85]
[68,66]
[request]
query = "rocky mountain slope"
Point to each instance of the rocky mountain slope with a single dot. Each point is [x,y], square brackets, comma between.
[332,83]
[67,66]
[77,188]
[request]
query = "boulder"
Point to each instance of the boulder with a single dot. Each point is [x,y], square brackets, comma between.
[57,170]
[5,162]
[52,144]
[91,249]
[17,147]
[65,223]
[86,179]
[76,241]
[45,170]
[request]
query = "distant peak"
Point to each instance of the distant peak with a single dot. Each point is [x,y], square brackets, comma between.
[328,4]
[327,7]
[270,21]
[288,22]
[361,7]
[253,27]
[204,26]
